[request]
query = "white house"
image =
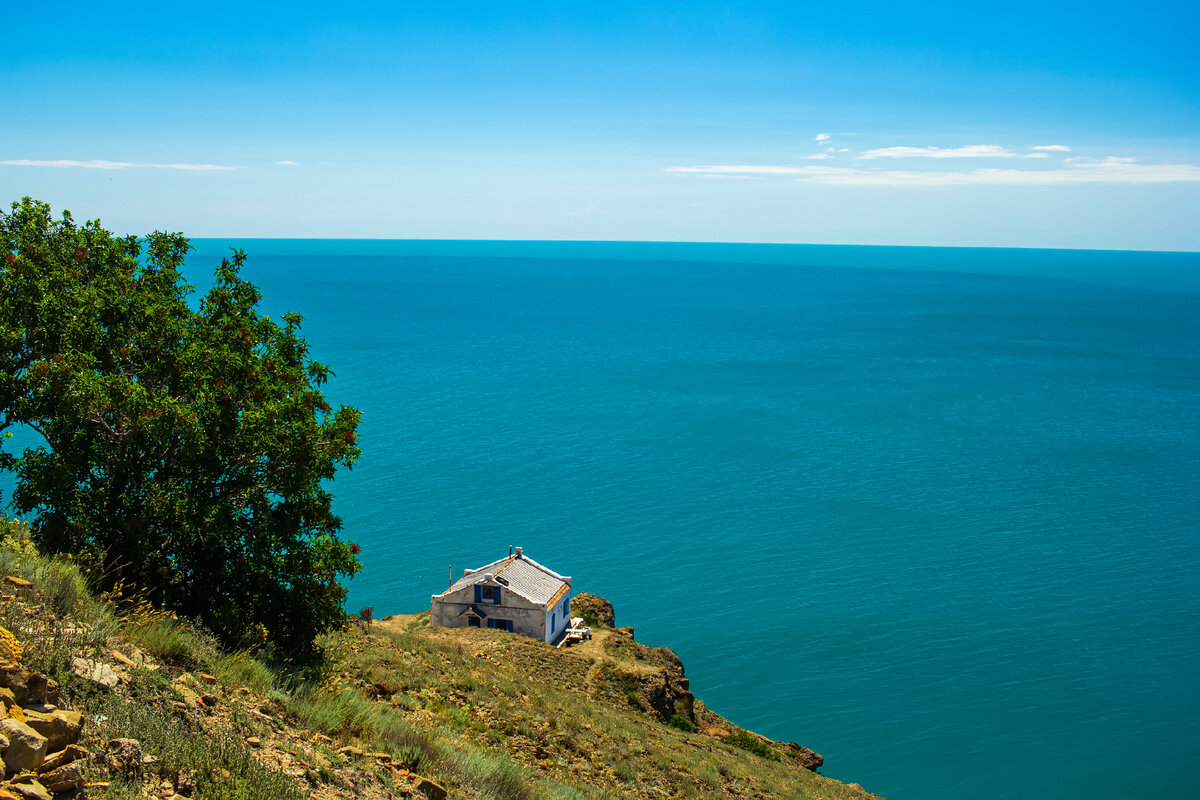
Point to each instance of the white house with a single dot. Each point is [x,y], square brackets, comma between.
[515,594]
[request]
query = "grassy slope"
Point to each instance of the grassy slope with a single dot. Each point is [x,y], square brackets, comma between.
[484,713]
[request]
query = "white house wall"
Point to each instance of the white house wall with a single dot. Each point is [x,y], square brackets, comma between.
[528,618]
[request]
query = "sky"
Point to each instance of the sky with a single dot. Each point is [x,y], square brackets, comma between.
[1072,125]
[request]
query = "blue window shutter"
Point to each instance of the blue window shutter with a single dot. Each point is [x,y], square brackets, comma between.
[478,593]
[496,599]
[509,628]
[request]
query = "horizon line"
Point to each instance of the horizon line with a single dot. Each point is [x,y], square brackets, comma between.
[696,242]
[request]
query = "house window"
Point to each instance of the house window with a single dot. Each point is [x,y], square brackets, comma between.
[473,622]
[501,624]
[489,593]
[566,607]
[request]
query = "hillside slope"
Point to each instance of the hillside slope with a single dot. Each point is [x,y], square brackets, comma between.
[403,711]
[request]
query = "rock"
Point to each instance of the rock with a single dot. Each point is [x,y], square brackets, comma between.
[855,786]
[719,733]
[64,778]
[807,758]
[20,583]
[626,631]
[28,688]
[65,756]
[434,791]
[350,752]
[209,700]
[123,757]
[10,649]
[593,606]
[97,672]
[26,748]
[27,787]
[117,655]
[60,728]
[254,741]
[190,698]
[185,782]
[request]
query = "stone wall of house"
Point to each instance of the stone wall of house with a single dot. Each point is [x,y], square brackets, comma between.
[529,619]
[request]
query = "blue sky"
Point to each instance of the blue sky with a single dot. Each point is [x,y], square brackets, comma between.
[1063,125]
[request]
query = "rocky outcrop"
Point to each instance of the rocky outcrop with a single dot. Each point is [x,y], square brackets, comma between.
[37,739]
[805,757]
[26,747]
[590,605]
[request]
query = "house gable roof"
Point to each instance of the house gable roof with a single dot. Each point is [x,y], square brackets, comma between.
[520,574]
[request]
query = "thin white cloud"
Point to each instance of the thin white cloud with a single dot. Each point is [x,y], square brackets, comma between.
[101,164]
[1110,161]
[742,170]
[967,151]
[818,156]
[1108,170]
[191,167]
[822,137]
[286,163]
[1052,148]
[94,164]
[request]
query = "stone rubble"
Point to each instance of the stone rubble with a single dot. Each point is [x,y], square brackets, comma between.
[38,754]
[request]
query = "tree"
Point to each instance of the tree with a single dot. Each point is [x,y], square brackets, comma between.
[186,449]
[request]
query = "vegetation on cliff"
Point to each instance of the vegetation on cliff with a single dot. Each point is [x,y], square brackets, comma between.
[185,445]
[404,710]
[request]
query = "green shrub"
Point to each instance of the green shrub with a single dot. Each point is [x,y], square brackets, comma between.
[753,745]
[625,770]
[683,723]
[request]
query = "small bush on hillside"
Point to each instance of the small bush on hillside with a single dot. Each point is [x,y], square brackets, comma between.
[15,537]
[753,745]
[683,723]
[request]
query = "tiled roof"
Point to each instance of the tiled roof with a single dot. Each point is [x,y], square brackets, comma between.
[519,574]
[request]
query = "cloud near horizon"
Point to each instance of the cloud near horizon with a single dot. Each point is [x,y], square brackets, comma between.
[1079,170]
[967,151]
[102,164]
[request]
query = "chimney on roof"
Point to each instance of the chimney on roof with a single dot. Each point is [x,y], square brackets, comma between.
[518,552]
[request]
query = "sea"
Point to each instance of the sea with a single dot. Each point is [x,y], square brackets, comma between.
[931,512]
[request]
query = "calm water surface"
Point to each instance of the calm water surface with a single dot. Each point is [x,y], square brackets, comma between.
[932,513]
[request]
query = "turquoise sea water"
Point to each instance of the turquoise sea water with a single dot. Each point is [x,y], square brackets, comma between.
[932,513]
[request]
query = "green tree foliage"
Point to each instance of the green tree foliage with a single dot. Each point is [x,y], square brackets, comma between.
[187,449]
